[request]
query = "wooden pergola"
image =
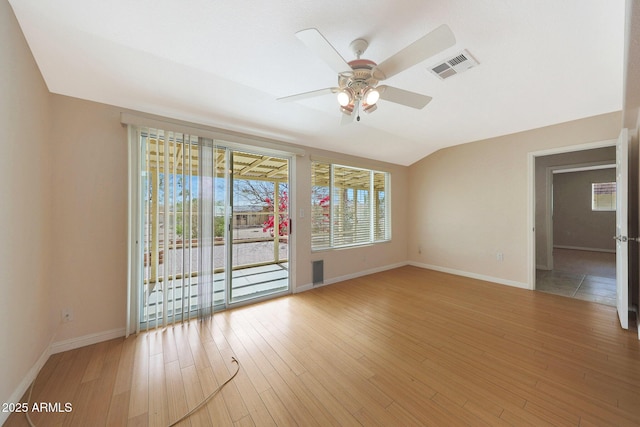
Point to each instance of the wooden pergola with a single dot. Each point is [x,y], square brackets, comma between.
[179,157]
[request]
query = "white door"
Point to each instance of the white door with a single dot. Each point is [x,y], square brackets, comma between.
[622,241]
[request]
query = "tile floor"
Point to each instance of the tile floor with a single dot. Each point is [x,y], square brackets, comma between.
[588,276]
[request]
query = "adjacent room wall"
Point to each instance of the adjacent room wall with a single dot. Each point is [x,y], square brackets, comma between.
[469,203]
[26,327]
[575,224]
[543,168]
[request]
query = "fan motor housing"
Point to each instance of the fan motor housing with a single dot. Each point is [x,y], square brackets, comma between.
[360,77]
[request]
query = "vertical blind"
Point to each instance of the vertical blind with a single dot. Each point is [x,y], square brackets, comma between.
[206,227]
[177,199]
[350,206]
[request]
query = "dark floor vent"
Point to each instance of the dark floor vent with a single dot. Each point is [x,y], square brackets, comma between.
[318,272]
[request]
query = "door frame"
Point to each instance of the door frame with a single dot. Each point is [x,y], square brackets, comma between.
[531,196]
[622,228]
[232,147]
[549,179]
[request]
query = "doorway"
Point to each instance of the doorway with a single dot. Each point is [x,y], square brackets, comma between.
[252,213]
[626,219]
[543,255]
[582,222]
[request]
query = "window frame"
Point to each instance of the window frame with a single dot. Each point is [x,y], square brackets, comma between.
[334,235]
[595,206]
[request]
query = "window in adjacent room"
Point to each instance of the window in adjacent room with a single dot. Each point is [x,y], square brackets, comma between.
[603,196]
[350,206]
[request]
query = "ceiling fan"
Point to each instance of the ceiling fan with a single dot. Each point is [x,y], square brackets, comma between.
[358,79]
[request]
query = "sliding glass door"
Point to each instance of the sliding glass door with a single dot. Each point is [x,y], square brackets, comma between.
[259,242]
[207,212]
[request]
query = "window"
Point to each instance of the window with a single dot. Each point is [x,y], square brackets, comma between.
[349,206]
[603,196]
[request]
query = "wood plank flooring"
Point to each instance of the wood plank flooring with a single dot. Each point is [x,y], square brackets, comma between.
[403,347]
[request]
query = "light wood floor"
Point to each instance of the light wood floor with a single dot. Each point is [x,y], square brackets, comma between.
[403,347]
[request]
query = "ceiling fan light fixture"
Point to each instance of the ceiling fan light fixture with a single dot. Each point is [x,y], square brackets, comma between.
[369,108]
[347,109]
[370,95]
[345,97]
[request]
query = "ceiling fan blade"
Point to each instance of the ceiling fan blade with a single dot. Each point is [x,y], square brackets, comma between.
[436,41]
[403,97]
[311,94]
[315,41]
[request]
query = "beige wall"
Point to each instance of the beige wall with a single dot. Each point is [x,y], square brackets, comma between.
[469,202]
[25,205]
[89,216]
[575,224]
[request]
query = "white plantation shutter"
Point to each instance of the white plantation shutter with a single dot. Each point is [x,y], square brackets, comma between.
[603,196]
[349,206]
[352,210]
[320,205]
[381,223]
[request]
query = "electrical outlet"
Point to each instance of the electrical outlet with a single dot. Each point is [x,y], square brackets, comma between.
[67,315]
[500,256]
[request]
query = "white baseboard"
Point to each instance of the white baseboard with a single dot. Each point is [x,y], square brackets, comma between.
[26,382]
[53,348]
[73,343]
[331,281]
[580,248]
[498,280]
[305,288]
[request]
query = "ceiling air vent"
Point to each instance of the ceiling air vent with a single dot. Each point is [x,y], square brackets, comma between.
[455,65]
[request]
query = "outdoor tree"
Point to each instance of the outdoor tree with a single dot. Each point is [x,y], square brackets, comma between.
[283,216]
[261,193]
[257,192]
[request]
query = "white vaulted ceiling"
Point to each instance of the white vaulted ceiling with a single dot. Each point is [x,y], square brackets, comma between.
[224,63]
